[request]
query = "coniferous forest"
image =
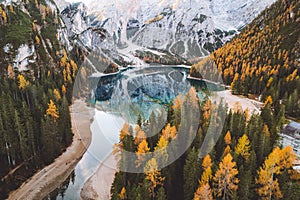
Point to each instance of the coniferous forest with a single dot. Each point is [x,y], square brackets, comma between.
[244,161]
[264,58]
[247,161]
[35,124]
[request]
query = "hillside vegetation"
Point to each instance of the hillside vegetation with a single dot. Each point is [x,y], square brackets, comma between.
[243,162]
[35,92]
[264,58]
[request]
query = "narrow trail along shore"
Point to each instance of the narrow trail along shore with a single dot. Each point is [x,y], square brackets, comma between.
[50,177]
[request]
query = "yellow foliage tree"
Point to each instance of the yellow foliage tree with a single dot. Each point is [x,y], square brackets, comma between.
[56,94]
[23,83]
[270,81]
[4,16]
[207,172]
[277,161]
[269,187]
[225,178]
[160,150]
[74,67]
[286,157]
[65,75]
[11,8]
[52,111]
[124,131]
[63,89]
[243,147]
[178,102]
[153,174]
[69,78]
[227,138]
[34,27]
[122,194]
[206,110]
[37,40]
[142,149]
[227,150]
[140,136]
[169,132]
[204,192]
[10,71]
[269,101]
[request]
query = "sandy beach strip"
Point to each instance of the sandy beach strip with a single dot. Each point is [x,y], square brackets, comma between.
[98,186]
[231,100]
[53,175]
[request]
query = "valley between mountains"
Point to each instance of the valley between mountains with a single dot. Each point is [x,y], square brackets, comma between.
[84,83]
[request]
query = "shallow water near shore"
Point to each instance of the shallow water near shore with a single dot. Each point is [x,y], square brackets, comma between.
[123,98]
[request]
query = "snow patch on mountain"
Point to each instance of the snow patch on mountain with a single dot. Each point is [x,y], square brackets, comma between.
[189,28]
[25,55]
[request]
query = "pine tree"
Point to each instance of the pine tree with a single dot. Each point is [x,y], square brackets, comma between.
[207,171]
[226,182]
[277,162]
[243,147]
[63,89]
[141,152]
[269,186]
[153,175]
[124,131]
[264,144]
[123,193]
[37,40]
[169,132]
[23,83]
[56,94]
[10,72]
[245,184]
[191,174]
[227,138]
[160,151]
[161,194]
[52,111]
[140,136]
[204,191]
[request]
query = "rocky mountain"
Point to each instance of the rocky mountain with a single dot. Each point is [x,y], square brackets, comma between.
[263,61]
[190,29]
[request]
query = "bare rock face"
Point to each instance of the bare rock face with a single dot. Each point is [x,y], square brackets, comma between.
[188,28]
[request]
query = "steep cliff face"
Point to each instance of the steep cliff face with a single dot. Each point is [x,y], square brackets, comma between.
[188,28]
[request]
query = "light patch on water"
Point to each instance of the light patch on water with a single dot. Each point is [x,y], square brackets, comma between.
[105,133]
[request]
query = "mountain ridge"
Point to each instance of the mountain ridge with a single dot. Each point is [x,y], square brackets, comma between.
[187,28]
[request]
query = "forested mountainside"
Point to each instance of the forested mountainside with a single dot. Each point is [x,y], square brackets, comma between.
[245,163]
[36,76]
[264,59]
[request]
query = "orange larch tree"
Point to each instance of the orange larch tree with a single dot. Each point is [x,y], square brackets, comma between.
[225,180]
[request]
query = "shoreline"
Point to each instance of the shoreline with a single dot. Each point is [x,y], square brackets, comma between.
[98,185]
[52,176]
[234,100]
